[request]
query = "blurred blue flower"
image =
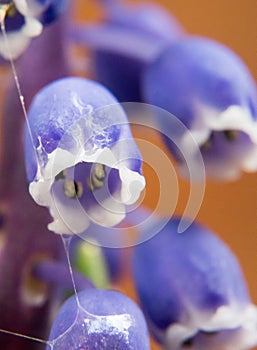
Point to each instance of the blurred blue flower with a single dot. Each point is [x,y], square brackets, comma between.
[130,36]
[207,87]
[81,159]
[193,292]
[25,20]
[99,319]
[143,18]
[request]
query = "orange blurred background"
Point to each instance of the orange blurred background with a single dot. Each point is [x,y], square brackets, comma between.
[229,209]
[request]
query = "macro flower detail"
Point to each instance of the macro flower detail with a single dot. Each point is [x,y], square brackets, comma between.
[24,20]
[83,176]
[193,292]
[81,159]
[208,87]
[99,319]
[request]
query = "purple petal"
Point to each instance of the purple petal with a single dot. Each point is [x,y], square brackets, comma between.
[211,91]
[75,121]
[101,320]
[191,282]
[129,38]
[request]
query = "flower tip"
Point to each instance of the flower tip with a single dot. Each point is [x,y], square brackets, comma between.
[32,28]
[133,184]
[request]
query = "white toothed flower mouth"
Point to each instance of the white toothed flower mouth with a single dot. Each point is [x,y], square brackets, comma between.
[203,299]
[85,166]
[227,140]
[207,86]
[24,20]
[230,327]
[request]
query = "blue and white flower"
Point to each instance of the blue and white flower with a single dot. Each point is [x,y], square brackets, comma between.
[208,87]
[24,20]
[193,291]
[81,159]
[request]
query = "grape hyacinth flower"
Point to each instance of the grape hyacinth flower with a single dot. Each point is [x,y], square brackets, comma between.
[143,17]
[208,87]
[24,20]
[193,292]
[99,319]
[81,160]
[125,42]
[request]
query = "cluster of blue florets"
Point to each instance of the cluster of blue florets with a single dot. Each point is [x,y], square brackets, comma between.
[83,164]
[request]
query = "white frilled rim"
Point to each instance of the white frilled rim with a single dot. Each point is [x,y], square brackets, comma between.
[233,118]
[74,219]
[19,40]
[243,320]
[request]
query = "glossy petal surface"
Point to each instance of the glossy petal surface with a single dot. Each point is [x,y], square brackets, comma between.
[102,320]
[83,163]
